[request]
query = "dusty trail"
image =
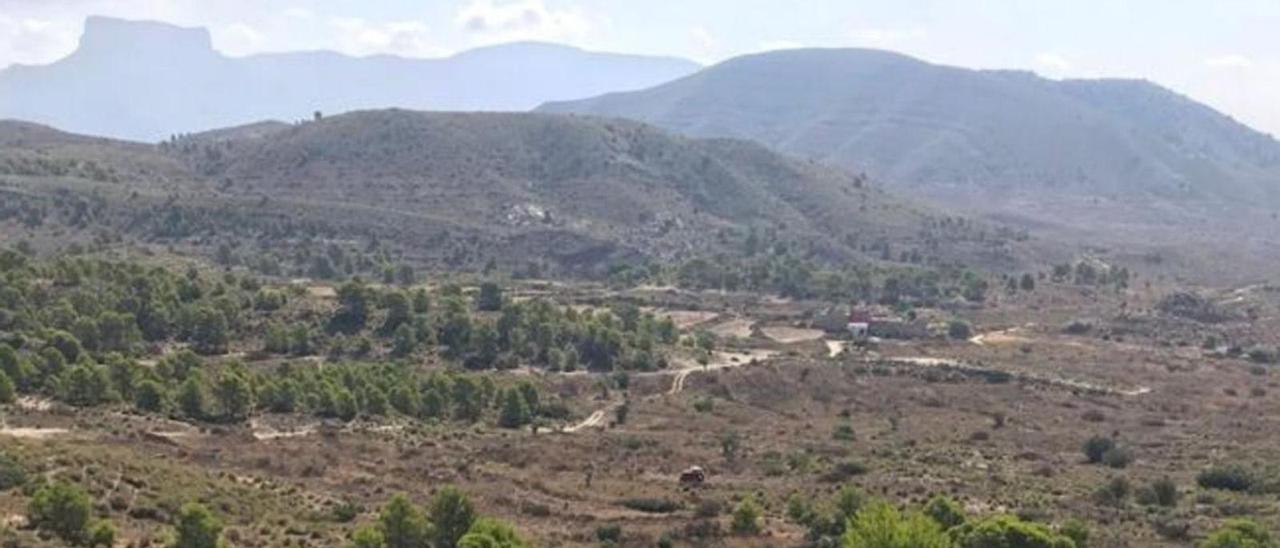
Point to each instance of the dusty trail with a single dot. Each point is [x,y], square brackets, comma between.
[595,420]
[677,382]
[720,360]
[1009,335]
[835,348]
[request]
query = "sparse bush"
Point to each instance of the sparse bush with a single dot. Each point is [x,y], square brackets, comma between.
[842,471]
[1096,447]
[1165,492]
[703,405]
[959,330]
[652,505]
[708,508]
[843,432]
[799,509]
[609,534]
[1229,478]
[1078,327]
[1118,457]
[1113,493]
[730,443]
[1262,355]
[1171,527]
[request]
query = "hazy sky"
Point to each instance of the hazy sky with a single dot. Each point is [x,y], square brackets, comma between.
[1223,52]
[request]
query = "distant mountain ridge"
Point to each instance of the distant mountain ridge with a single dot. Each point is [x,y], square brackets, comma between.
[951,132]
[463,189]
[146,81]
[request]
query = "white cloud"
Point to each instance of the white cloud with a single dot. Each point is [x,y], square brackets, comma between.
[774,45]
[299,13]
[32,40]
[505,21]
[1232,61]
[705,46]
[703,38]
[407,38]
[1055,64]
[885,37]
[239,38]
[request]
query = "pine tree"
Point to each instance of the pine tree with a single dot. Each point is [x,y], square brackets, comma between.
[515,411]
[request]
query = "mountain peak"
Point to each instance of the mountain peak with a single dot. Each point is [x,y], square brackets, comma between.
[108,35]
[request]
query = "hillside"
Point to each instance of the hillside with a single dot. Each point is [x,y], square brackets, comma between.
[1064,153]
[463,190]
[147,81]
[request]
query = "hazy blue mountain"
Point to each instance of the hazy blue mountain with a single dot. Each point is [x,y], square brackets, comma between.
[146,80]
[954,132]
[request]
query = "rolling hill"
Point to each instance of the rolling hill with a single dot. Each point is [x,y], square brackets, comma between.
[1048,152]
[464,190]
[147,81]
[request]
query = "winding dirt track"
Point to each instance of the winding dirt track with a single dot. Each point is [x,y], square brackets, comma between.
[720,360]
[595,420]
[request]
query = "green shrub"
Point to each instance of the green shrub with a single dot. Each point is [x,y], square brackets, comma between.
[1240,533]
[1229,478]
[346,512]
[1077,531]
[197,528]
[102,534]
[491,533]
[880,525]
[451,515]
[946,511]
[8,392]
[703,405]
[843,432]
[1007,532]
[151,397]
[746,517]
[799,509]
[12,473]
[367,536]
[62,509]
